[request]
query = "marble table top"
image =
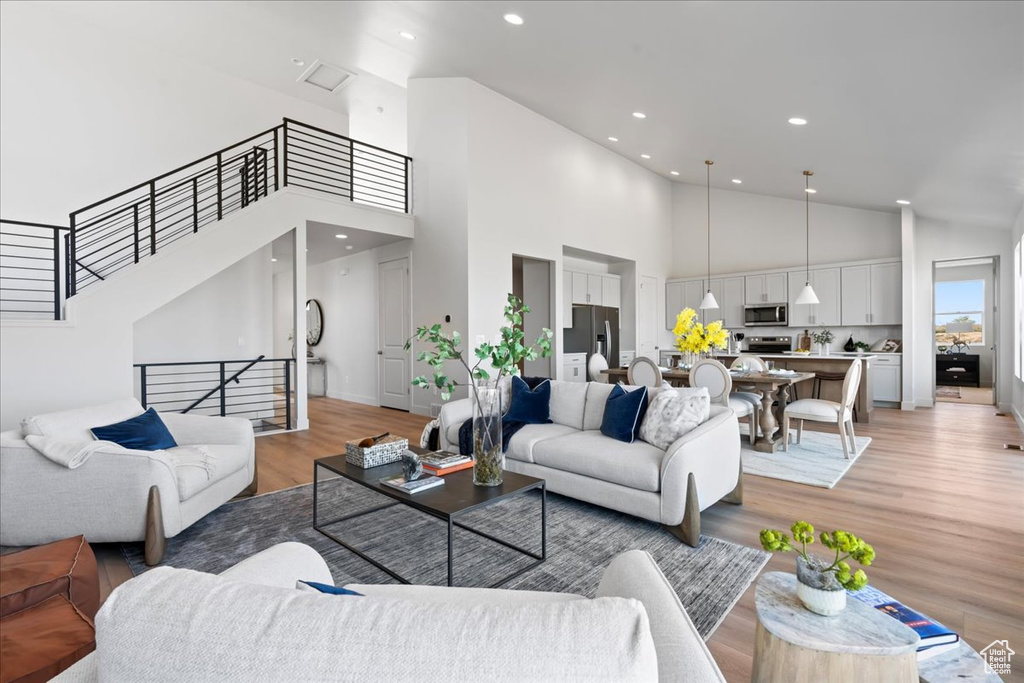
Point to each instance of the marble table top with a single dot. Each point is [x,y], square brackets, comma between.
[859,629]
[961,664]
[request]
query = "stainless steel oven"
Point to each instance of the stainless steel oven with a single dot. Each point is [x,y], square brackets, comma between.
[765,315]
[769,344]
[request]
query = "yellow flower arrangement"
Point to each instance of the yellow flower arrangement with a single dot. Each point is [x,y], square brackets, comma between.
[693,337]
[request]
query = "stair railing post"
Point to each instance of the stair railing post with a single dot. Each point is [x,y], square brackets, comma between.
[408,172]
[284,141]
[276,186]
[244,172]
[195,204]
[135,232]
[152,218]
[223,395]
[68,275]
[288,393]
[72,286]
[56,274]
[220,188]
[351,170]
[142,386]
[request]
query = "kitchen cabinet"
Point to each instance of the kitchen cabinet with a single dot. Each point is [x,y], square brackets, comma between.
[826,284]
[574,367]
[767,288]
[595,290]
[680,295]
[730,293]
[872,294]
[887,378]
[579,287]
[611,291]
[589,289]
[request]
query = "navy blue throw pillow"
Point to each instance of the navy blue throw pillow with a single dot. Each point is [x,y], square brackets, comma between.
[623,413]
[529,405]
[146,432]
[330,590]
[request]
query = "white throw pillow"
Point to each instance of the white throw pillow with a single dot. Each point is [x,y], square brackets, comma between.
[673,413]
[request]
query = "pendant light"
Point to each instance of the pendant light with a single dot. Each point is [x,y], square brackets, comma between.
[807,295]
[709,302]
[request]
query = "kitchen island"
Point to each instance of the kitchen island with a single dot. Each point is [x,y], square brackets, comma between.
[814,363]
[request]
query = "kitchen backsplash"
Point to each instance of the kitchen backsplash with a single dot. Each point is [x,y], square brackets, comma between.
[866,334]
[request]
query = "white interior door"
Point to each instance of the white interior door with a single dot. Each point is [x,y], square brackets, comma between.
[393,331]
[648,319]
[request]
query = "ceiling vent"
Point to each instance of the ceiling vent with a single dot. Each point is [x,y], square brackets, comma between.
[327,76]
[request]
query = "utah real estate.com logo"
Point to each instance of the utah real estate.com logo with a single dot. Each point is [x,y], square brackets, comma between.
[997,657]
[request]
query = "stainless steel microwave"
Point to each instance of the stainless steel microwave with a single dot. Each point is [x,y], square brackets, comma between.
[765,315]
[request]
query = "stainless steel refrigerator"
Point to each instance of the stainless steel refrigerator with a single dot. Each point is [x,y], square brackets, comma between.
[595,329]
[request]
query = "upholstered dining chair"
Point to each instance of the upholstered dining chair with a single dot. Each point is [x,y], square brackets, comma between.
[643,372]
[715,377]
[818,410]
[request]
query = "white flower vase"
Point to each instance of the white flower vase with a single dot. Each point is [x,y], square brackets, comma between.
[823,349]
[819,591]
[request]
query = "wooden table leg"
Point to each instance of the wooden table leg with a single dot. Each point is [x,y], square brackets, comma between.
[769,425]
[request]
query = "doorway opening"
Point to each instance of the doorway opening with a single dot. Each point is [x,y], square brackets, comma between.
[965,328]
[532,281]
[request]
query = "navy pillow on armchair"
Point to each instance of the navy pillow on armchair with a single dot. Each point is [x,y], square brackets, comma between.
[623,413]
[529,406]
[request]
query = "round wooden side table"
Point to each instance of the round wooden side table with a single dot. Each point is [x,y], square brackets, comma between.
[795,645]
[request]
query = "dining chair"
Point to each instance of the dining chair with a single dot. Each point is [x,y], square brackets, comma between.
[595,366]
[715,378]
[818,410]
[643,372]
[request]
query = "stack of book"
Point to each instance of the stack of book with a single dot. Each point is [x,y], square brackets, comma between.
[440,463]
[935,638]
[414,485]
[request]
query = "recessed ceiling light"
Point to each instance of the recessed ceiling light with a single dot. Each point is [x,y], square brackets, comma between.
[514,19]
[639,115]
[341,237]
[298,62]
[904,202]
[273,260]
[811,190]
[613,139]
[645,156]
[674,172]
[407,35]
[349,246]
[797,121]
[737,181]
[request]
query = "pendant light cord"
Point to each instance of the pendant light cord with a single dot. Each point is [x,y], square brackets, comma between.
[807,223]
[708,166]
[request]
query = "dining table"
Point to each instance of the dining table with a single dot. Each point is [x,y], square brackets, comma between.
[772,386]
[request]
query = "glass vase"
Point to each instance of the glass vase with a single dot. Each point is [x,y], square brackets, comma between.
[489,458]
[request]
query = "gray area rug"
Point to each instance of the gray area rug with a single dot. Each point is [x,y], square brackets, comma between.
[582,540]
[817,461]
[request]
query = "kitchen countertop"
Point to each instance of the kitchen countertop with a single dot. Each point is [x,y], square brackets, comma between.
[813,355]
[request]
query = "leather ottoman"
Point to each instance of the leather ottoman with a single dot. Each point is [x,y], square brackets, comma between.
[49,596]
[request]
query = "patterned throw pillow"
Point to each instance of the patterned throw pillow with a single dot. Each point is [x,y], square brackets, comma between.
[674,413]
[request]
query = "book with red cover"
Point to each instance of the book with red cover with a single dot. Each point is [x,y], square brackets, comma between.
[447,470]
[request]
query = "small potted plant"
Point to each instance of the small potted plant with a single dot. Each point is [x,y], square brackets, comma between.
[821,585]
[823,338]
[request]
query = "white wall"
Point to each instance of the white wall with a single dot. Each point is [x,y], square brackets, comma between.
[750,232]
[537,294]
[283,304]
[228,317]
[938,240]
[85,113]
[984,273]
[1009,320]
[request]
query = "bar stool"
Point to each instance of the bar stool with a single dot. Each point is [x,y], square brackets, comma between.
[820,377]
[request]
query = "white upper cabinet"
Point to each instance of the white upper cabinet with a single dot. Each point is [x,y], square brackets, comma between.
[769,288]
[673,303]
[595,290]
[872,295]
[827,288]
[611,291]
[800,315]
[730,293]
[579,288]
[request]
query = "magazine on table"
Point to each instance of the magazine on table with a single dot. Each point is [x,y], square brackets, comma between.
[935,638]
[413,486]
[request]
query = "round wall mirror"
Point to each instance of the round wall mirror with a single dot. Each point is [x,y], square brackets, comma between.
[314,322]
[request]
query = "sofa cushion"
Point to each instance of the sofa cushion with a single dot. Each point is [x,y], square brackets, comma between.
[624,413]
[168,618]
[199,467]
[529,404]
[75,425]
[592,454]
[522,443]
[458,595]
[146,432]
[567,402]
[597,396]
[673,413]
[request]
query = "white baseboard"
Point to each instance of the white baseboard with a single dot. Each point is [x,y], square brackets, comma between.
[355,398]
[1018,418]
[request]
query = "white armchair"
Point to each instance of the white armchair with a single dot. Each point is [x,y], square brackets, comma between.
[120,494]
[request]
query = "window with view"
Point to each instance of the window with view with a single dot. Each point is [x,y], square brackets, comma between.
[960,312]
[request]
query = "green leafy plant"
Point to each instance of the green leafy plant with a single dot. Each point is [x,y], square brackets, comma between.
[823,336]
[846,546]
[861,346]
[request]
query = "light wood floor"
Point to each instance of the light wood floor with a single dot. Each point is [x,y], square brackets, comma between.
[975,395]
[935,493]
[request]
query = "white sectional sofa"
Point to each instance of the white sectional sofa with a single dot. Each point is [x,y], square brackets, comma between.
[250,624]
[575,459]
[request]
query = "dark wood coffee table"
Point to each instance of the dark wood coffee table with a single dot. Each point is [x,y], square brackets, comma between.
[458,496]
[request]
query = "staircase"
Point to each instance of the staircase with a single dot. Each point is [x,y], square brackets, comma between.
[43,266]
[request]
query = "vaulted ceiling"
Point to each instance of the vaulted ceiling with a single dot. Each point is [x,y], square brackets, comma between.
[921,101]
